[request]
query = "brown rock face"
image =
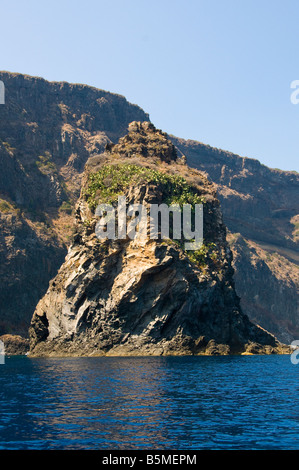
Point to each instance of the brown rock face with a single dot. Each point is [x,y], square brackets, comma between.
[144,296]
[15,345]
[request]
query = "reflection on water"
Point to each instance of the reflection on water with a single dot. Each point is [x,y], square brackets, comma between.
[149,403]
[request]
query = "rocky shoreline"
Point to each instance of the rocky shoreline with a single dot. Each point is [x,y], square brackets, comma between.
[15,345]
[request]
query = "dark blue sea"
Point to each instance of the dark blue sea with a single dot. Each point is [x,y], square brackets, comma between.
[171,403]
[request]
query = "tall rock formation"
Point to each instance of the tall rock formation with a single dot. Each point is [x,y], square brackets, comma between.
[144,296]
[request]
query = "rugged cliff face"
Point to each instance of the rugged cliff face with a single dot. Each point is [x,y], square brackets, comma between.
[141,295]
[261,210]
[270,283]
[48,131]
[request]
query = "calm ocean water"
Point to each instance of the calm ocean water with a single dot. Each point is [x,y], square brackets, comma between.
[172,403]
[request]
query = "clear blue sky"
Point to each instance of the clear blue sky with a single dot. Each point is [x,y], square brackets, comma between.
[216,71]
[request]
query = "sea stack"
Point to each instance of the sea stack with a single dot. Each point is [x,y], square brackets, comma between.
[144,296]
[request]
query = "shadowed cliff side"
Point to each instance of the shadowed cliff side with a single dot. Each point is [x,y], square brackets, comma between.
[260,208]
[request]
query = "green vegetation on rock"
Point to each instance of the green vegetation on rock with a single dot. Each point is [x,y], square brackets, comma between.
[112,180]
[45,164]
[201,256]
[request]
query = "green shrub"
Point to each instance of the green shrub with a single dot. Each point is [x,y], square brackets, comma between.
[5,206]
[200,257]
[45,164]
[66,207]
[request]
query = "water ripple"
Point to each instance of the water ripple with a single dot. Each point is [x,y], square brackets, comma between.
[149,403]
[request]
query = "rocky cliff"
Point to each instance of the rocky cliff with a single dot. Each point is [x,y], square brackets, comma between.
[260,207]
[49,130]
[145,296]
